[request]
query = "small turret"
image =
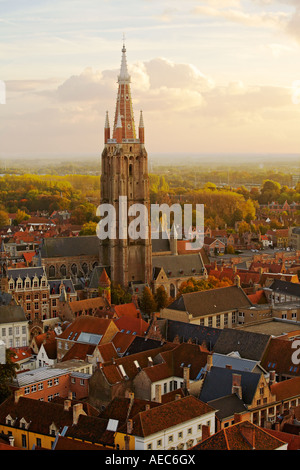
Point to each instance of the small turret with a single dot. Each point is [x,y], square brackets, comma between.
[106,129]
[141,129]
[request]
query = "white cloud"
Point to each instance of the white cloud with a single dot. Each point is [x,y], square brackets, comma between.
[183,109]
[241,17]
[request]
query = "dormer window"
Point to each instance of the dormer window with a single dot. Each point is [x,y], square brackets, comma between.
[53,430]
[24,424]
[9,421]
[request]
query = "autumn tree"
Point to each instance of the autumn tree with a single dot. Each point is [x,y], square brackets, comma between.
[119,295]
[147,302]
[88,229]
[4,219]
[161,297]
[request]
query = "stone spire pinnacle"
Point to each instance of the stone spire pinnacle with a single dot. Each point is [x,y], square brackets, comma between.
[106,121]
[124,111]
[141,124]
[124,76]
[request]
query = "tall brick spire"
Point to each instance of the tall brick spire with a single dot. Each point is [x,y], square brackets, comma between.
[124,102]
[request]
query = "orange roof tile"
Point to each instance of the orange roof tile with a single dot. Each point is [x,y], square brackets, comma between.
[129,309]
[286,389]
[241,436]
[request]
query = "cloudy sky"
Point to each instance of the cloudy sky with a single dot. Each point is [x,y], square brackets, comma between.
[211,76]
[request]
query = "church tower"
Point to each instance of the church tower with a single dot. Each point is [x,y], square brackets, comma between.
[124,172]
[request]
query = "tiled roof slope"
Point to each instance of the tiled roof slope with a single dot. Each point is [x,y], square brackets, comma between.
[69,246]
[40,414]
[69,444]
[88,324]
[249,345]
[227,406]
[113,373]
[211,301]
[241,436]
[168,415]
[278,357]
[286,388]
[285,287]
[122,408]
[218,384]
[292,440]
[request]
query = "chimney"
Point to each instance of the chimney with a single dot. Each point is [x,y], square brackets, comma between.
[129,426]
[150,361]
[17,395]
[77,411]
[209,363]
[157,393]
[237,280]
[236,384]
[272,377]
[186,377]
[248,432]
[205,432]
[237,418]
[67,405]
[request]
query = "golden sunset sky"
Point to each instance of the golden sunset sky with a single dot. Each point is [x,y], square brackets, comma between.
[215,76]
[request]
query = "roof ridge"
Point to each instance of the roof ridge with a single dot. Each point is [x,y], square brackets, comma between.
[226,439]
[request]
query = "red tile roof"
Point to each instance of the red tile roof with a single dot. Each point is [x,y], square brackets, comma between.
[168,415]
[87,324]
[133,325]
[88,304]
[280,352]
[122,341]
[286,389]
[241,436]
[292,440]
[67,443]
[128,310]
